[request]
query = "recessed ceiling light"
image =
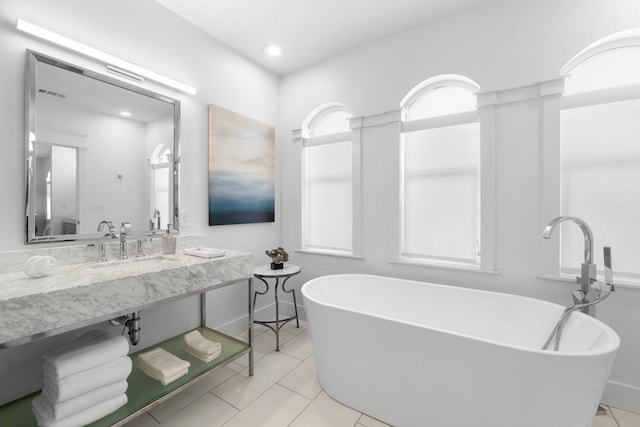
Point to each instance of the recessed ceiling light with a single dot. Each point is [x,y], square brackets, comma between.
[273,50]
[124,113]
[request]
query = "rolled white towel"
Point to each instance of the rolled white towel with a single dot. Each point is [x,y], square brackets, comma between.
[85,381]
[205,358]
[200,344]
[83,418]
[89,350]
[59,410]
[160,364]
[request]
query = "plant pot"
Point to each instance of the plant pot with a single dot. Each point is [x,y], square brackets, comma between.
[277,266]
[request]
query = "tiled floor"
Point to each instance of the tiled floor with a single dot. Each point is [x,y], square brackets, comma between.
[283,392]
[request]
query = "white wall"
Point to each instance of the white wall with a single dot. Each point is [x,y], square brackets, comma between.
[500,45]
[147,34]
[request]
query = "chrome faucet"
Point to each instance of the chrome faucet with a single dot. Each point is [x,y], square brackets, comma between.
[109,224]
[102,256]
[586,296]
[125,229]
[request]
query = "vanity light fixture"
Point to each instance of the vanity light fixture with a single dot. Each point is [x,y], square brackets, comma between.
[116,63]
[273,50]
[124,73]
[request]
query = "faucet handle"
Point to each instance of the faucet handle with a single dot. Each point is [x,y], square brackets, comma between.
[125,230]
[608,272]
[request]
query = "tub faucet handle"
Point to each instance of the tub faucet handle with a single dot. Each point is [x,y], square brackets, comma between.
[607,286]
[608,272]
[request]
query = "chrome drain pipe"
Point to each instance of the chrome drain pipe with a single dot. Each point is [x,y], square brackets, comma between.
[130,322]
[133,323]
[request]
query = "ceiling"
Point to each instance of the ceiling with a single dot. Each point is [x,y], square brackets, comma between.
[308,30]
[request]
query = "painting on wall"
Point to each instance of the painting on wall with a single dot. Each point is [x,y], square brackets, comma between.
[241,169]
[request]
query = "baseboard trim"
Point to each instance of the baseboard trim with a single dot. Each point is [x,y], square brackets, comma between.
[239,325]
[622,396]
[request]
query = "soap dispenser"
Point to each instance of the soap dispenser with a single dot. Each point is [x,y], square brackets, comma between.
[168,242]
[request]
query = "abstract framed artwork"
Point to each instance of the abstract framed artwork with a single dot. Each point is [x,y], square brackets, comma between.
[241,169]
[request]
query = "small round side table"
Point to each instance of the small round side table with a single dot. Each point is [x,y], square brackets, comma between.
[264,272]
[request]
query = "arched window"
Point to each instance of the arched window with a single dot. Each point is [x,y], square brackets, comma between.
[440,197]
[327,188]
[600,151]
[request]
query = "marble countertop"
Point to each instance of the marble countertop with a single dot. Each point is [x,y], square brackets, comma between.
[76,295]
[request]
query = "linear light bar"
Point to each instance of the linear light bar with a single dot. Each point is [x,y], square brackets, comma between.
[123,73]
[108,59]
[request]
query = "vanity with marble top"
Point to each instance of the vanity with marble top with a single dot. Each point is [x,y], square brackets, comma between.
[75,295]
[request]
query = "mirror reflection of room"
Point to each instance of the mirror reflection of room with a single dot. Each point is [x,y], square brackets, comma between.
[102,153]
[56,163]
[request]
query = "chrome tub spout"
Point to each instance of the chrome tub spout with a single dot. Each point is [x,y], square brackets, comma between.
[587,269]
[601,292]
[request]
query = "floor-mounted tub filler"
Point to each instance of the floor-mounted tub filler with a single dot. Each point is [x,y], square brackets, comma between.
[404,352]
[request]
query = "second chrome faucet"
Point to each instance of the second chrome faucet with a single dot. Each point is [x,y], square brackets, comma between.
[590,289]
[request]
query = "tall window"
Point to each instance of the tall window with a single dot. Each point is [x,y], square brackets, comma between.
[600,152]
[440,197]
[327,156]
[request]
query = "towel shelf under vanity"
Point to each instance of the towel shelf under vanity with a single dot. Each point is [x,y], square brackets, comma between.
[143,391]
[126,288]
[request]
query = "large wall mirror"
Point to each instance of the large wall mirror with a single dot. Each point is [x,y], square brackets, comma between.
[96,149]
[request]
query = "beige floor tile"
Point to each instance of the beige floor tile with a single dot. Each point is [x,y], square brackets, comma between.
[144,420]
[291,327]
[207,411]
[368,421]
[264,344]
[242,389]
[276,407]
[257,330]
[326,412]
[195,391]
[298,347]
[625,418]
[604,420]
[303,379]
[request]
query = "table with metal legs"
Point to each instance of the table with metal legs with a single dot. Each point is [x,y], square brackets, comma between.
[265,272]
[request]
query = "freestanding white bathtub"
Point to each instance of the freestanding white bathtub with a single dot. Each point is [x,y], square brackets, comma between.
[419,354]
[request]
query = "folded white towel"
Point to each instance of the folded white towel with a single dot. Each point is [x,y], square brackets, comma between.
[80,419]
[89,350]
[200,344]
[166,380]
[205,358]
[59,410]
[85,381]
[160,364]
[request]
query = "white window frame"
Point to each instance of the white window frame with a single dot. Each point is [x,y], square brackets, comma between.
[485,116]
[303,138]
[551,143]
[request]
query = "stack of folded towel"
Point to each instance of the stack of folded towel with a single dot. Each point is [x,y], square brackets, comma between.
[200,347]
[83,381]
[162,365]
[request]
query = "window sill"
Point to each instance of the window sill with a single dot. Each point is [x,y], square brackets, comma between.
[445,266]
[622,283]
[328,253]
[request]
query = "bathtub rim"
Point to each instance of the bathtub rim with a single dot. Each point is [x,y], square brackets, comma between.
[610,348]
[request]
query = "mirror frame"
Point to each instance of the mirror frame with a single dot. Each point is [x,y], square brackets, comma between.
[30,129]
